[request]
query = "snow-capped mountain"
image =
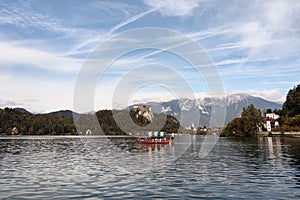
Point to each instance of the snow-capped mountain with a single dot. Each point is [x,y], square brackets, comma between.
[194,113]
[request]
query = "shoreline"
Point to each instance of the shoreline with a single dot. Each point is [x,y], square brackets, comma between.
[62,136]
[277,133]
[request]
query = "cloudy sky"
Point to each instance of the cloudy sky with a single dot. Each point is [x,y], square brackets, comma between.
[255,46]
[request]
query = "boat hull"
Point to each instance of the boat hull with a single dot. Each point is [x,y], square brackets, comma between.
[146,141]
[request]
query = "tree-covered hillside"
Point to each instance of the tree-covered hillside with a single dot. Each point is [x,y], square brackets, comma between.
[40,124]
[59,124]
[290,113]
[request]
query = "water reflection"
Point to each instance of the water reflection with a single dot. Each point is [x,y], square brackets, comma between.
[89,168]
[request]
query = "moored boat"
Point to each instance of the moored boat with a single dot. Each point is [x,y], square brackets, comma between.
[155,137]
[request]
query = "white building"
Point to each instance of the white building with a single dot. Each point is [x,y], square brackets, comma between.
[272,115]
[270,121]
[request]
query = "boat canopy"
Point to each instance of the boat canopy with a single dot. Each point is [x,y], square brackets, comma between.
[156,134]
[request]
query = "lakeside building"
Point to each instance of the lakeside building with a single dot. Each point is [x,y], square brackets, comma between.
[14,131]
[270,121]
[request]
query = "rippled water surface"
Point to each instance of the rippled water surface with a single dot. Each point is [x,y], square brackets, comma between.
[95,167]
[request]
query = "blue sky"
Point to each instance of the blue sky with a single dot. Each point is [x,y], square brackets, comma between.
[255,46]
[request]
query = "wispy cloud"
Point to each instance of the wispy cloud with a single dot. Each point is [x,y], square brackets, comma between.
[174,8]
[271,32]
[23,17]
[253,43]
[18,55]
[112,8]
[130,20]
[100,38]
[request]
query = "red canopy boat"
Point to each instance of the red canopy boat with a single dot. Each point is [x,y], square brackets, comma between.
[154,141]
[155,138]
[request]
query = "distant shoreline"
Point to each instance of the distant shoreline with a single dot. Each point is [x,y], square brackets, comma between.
[277,133]
[63,136]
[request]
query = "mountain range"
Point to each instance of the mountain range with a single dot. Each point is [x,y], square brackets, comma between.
[194,113]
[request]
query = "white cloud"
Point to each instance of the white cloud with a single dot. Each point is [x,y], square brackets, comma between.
[271,95]
[274,31]
[144,97]
[232,61]
[256,29]
[36,95]
[281,14]
[141,95]
[254,34]
[174,8]
[12,54]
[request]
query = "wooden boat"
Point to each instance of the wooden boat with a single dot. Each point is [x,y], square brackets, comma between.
[153,141]
[155,138]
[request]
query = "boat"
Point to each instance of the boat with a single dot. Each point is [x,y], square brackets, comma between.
[155,137]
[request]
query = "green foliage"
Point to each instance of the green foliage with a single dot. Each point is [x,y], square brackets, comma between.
[247,125]
[172,125]
[269,110]
[108,124]
[297,120]
[51,124]
[290,114]
[252,120]
[34,124]
[290,123]
[291,106]
[234,128]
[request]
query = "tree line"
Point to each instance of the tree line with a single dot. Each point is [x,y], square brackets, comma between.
[290,113]
[52,124]
[39,124]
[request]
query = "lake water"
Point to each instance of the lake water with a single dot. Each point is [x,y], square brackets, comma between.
[76,167]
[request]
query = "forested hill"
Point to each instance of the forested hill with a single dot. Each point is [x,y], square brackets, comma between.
[34,124]
[61,122]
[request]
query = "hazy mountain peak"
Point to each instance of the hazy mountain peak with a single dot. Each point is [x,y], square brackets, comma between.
[237,97]
[189,109]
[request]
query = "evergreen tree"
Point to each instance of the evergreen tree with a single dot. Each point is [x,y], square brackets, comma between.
[251,117]
[291,106]
[247,125]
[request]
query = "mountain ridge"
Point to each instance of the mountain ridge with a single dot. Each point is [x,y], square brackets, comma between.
[190,110]
[187,110]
